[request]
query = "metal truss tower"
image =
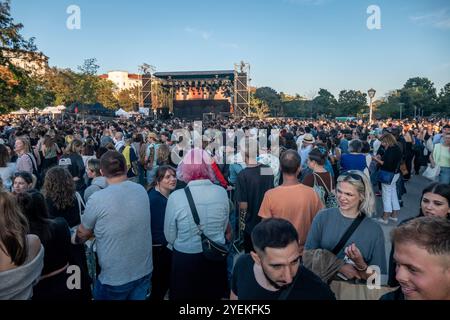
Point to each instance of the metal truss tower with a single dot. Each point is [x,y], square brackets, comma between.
[241,89]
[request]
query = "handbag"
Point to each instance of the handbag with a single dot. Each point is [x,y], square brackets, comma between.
[385,177]
[345,290]
[431,173]
[211,250]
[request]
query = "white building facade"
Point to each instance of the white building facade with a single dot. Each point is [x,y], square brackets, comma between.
[123,80]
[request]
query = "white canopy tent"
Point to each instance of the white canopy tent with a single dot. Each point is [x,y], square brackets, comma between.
[21,111]
[34,111]
[47,110]
[122,113]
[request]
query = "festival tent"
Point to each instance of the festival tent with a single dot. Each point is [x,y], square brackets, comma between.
[47,110]
[34,111]
[21,111]
[122,113]
[50,110]
[96,109]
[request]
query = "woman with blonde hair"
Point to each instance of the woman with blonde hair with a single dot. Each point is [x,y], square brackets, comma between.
[388,175]
[21,255]
[365,246]
[26,160]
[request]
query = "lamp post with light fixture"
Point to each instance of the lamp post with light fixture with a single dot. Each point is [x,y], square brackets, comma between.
[371,94]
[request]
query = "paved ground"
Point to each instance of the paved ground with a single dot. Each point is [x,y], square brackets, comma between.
[411,207]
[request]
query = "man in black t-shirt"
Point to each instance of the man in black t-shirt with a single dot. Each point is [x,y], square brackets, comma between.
[251,186]
[274,271]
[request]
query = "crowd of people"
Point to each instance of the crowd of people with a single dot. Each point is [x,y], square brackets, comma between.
[118,204]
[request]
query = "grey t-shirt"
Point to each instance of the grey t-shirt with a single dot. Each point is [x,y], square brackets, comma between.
[120,218]
[329,226]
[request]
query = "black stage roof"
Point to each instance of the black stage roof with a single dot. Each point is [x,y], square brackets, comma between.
[196,74]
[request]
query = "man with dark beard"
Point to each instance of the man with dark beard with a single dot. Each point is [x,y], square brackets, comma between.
[274,271]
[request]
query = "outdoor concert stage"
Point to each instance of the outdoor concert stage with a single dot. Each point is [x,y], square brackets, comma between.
[196,94]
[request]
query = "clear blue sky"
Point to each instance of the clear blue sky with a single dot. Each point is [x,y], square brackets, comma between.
[295,46]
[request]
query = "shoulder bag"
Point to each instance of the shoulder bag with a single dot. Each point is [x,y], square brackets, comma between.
[211,250]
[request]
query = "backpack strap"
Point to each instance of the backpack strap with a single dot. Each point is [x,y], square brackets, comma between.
[348,233]
[81,204]
[33,163]
[194,212]
[286,292]
[323,182]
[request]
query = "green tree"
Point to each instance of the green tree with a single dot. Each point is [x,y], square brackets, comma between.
[325,103]
[389,106]
[105,94]
[296,108]
[87,82]
[61,83]
[258,108]
[35,96]
[351,102]
[89,67]
[418,94]
[444,100]
[13,80]
[128,99]
[272,98]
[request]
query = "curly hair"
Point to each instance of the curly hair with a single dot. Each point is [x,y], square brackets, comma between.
[59,187]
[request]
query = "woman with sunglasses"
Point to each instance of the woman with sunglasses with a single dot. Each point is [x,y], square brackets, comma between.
[365,247]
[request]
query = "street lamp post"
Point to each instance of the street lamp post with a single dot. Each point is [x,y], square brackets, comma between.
[401,110]
[371,94]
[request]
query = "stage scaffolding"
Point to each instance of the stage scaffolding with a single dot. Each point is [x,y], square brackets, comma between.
[161,90]
[241,90]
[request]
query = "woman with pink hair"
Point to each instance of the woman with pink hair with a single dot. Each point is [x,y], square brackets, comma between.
[193,277]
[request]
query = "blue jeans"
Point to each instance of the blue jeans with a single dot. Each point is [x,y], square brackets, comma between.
[444,176]
[134,290]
